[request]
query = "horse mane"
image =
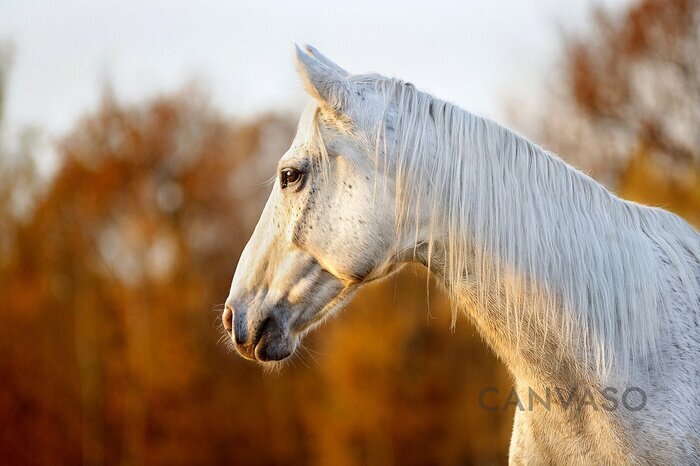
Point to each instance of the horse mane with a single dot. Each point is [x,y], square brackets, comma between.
[551,238]
[525,232]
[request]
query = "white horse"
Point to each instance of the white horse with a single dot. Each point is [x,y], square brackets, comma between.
[570,285]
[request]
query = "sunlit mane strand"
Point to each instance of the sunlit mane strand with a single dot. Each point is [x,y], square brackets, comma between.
[513,226]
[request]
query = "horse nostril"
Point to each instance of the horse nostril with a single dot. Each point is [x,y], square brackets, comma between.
[227,319]
[265,327]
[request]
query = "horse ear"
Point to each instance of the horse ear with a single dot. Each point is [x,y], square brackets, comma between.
[313,51]
[323,79]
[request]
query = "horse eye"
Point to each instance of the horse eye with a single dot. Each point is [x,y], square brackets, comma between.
[289,176]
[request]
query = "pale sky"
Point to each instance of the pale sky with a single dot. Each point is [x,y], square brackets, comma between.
[473,53]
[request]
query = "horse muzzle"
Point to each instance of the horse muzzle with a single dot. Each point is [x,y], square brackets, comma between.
[266,340]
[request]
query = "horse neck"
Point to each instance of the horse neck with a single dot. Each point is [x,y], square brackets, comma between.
[534,350]
[501,286]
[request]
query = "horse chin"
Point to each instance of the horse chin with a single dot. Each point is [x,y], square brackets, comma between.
[333,308]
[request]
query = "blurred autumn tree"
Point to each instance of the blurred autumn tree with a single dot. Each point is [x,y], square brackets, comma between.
[627,107]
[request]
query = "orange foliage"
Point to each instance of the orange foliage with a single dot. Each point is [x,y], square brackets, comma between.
[628,107]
